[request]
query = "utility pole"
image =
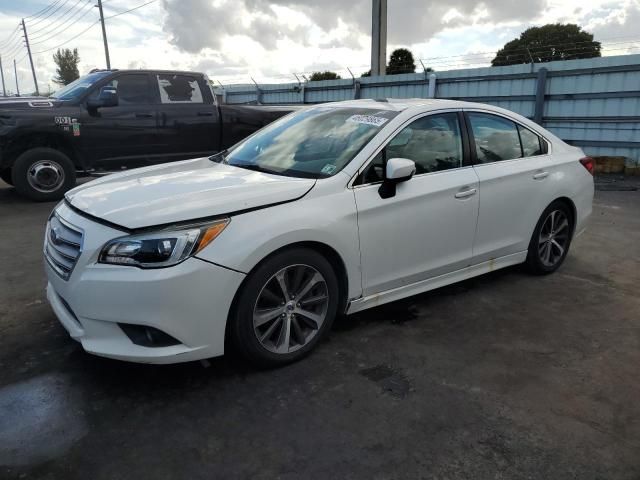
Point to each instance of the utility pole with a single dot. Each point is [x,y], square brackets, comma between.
[33,70]
[379,37]
[15,73]
[104,36]
[4,91]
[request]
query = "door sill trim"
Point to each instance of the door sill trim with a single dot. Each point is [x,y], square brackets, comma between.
[435,282]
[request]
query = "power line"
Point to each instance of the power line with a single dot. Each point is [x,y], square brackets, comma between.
[50,13]
[70,39]
[40,32]
[41,12]
[11,36]
[130,10]
[75,19]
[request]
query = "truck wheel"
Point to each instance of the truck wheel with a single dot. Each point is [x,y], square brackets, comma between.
[5,175]
[43,174]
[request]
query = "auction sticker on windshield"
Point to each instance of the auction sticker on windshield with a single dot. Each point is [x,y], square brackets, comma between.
[368,120]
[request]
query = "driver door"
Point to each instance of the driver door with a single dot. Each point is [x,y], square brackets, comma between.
[126,134]
[427,228]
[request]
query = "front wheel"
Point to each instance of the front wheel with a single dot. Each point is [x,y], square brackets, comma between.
[43,174]
[284,308]
[551,239]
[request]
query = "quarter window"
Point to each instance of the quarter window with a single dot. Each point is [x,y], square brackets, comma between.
[531,144]
[179,89]
[496,138]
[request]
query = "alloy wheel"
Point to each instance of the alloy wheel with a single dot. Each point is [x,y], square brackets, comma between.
[290,309]
[554,238]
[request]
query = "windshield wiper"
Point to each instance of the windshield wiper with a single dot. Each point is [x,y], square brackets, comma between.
[255,168]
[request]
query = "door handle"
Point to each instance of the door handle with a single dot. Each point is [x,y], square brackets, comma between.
[540,175]
[205,114]
[466,193]
[144,115]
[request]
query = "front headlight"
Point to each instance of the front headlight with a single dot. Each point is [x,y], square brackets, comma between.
[162,248]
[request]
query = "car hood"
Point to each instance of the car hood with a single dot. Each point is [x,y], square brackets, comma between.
[182,191]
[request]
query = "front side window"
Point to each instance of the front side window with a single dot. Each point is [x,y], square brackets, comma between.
[433,142]
[313,143]
[179,89]
[496,138]
[133,89]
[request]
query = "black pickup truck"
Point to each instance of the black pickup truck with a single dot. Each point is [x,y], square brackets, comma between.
[111,119]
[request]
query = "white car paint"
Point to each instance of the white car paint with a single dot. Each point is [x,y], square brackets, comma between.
[439,228]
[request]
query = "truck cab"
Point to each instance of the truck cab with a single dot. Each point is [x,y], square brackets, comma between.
[114,119]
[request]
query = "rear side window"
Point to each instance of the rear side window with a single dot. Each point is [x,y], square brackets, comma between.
[496,138]
[179,89]
[531,143]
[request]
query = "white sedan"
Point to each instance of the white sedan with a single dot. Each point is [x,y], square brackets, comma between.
[333,209]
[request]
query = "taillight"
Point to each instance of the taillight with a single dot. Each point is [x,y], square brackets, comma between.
[589,164]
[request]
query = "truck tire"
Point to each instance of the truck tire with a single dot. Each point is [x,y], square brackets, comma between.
[43,174]
[5,175]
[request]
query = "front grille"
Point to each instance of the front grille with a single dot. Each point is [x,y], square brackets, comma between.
[62,245]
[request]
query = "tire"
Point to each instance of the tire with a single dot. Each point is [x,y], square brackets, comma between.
[261,308]
[43,174]
[5,175]
[551,239]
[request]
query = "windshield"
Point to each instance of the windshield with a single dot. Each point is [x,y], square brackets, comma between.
[313,143]
[79,86]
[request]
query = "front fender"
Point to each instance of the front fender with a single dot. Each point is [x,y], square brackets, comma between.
[328,219]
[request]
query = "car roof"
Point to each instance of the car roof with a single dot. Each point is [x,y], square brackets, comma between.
[400,104]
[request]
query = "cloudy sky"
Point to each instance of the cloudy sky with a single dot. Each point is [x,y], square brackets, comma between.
[271,39]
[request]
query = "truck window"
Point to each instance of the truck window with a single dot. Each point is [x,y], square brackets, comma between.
[179,89]
[133,89]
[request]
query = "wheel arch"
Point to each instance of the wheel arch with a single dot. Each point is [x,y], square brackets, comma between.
[23,143]
[572,209]
[323,249]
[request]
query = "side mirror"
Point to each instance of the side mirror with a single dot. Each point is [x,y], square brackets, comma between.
[397,170]
[108,97]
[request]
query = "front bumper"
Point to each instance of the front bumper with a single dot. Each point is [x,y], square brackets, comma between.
[189,302]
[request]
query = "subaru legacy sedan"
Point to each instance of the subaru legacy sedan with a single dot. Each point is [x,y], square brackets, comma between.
[330,210]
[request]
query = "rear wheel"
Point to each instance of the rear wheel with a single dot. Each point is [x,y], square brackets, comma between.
[551,239]
[5,175]
[285,307]
[43,174]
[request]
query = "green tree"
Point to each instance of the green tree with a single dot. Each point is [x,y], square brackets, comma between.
[548,43]
[66,65]
[327,75]
[366,74]
[401,61]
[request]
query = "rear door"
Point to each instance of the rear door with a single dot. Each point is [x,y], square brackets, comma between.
[427,228]
[516,183]
[126,134]
[189,123]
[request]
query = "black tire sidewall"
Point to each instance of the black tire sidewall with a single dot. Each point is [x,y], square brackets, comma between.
[24,162]
[241,330]
[533,258]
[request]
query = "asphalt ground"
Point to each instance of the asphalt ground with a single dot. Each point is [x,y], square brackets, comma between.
[503,376]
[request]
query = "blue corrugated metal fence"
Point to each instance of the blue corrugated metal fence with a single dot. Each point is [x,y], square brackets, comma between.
[591,103]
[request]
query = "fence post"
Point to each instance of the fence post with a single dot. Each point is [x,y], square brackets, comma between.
[302,94]
[432,86]
[356,89]
[538,112]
